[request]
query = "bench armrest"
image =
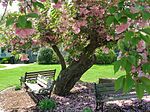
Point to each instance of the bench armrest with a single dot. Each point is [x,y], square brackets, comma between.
[47,90]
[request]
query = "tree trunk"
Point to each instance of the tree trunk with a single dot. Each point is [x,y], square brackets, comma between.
[69,76]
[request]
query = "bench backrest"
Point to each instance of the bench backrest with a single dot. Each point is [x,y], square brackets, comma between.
[105,90]
[33,75]
[105,86]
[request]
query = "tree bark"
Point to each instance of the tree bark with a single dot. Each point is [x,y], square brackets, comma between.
[68,77]
[61,58]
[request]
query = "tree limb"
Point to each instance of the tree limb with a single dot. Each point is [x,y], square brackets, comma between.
[60,56]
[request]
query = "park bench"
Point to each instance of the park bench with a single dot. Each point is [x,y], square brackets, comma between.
[105,92]
[39,84]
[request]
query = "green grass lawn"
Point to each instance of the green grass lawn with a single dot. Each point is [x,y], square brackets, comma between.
[2,66]
[11,77]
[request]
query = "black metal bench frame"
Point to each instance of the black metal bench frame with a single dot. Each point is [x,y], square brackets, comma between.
[32,77]
[104,91]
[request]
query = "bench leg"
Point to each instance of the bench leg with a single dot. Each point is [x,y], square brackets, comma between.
[99,106]
[102,106]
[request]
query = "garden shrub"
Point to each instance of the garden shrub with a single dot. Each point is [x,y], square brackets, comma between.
[55,59]
[103,58]
[87,109]
[47,104]
[18,87]
[5,60]
[45,56]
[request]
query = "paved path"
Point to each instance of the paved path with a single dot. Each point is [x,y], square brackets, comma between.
[11,66]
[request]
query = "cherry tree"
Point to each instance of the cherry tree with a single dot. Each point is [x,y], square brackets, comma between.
[82,26]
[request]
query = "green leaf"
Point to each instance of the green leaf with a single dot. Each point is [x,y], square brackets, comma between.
[135,41]
[118,16]
[126,64]
[55,1]
[33,15]
[29,24]
[146,83]
[110,20]
[10,21]
[22,21]
[121,45]
[146,67]
[119,83]
[38,4]
[129,83]
[139,90]
[146,30]
[116,66]
[123,20]
[146,15]
[112,9]
[120,4]
[132,59]
[146,38]
[128,35]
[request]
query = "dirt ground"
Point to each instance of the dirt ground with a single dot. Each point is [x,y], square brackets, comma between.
[82,96]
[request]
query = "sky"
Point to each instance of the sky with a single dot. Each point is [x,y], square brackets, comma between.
[12,8]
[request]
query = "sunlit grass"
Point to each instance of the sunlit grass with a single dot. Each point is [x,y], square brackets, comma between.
[2,66]
[10,77]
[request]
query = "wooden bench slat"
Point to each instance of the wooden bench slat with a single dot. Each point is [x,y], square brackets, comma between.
[40,83]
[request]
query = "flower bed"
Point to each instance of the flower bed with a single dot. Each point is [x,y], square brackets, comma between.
[82,96]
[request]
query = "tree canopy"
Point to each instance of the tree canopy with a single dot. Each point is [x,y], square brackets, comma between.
[82,26]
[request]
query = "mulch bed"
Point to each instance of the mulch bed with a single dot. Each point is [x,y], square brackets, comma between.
[82,96]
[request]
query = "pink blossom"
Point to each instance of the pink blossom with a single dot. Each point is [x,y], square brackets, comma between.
[36,11]
[133,69]
[81,23]
[121,28]
[132,1]
[76,27]
[62,29]
[14,41]
[144,57]
[2,44]
[141,73]
[43,0]
[22,42]
[109,38]
[35,42]
[97,11]
[58,5]
[105,50]
[134,10]
[142,23]
[76,30]
[24,57]
[34,0]
[141,46]
[84,11]
[24,33]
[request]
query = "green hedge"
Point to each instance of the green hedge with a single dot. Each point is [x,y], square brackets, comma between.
[46,56]
[103,58]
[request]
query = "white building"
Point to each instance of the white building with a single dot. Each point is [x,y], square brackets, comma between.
[4,53]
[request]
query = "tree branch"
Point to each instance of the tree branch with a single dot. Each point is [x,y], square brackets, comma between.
[60,56]
[4,12]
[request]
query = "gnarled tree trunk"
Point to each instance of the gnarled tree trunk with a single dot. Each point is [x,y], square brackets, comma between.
[69,76]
